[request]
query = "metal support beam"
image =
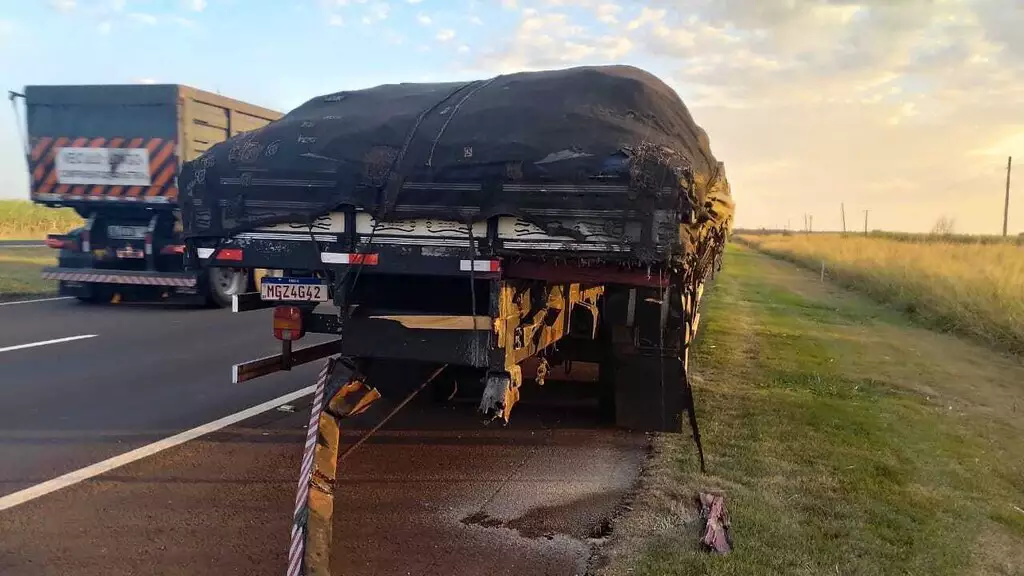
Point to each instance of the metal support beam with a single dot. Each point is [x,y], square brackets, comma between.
[270,364]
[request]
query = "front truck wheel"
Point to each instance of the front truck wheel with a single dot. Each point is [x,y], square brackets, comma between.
[223,283]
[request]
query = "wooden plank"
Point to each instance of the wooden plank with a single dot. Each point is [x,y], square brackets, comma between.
[242,122]
[204,114]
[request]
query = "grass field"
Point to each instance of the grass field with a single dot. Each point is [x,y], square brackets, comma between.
[972,289]
[19,273]
[847,441]
[23,220]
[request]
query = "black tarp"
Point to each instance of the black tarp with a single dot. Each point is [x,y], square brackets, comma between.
[358,147]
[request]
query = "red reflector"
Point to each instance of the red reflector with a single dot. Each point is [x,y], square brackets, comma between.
[173,249]
[288,323]
[233,254]
[367,259]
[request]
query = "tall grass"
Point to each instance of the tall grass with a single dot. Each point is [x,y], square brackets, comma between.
[24,220]
[975,289]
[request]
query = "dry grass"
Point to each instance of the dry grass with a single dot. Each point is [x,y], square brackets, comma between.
[971,289]
[24,220]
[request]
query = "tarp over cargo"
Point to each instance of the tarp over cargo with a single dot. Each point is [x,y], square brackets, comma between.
[362,148]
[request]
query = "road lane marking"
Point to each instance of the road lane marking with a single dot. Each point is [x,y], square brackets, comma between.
[93,470]
[36,300]
[47,342]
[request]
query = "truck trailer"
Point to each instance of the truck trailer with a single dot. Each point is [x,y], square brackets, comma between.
[469,228]
[113,153]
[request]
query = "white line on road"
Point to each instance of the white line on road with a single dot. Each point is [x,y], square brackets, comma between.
[72,478]
[47,342]
[36,300]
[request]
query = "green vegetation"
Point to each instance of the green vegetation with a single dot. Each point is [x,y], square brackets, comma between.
[910,237]
[24,220]
[19,273]
[846,439]
[971,289]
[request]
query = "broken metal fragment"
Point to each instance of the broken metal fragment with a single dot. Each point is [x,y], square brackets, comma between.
[500,394]
[717,535]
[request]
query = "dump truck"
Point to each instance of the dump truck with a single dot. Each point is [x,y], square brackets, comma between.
[113,153]
[540,218]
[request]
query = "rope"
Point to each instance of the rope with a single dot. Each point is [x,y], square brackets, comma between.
[300,515]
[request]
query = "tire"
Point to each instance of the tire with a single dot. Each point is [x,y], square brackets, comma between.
[223,283]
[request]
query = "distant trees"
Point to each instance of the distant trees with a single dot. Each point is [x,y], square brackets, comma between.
[944,226]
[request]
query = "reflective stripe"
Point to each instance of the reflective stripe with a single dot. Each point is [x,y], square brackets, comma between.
[347,258]
[119,279]
[480,265]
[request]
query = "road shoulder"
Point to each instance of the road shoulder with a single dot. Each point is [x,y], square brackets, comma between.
[846,440]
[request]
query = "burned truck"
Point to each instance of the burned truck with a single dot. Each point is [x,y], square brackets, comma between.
[555,216]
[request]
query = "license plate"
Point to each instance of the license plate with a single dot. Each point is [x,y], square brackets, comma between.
[121,232]
[129,252]
[301,289]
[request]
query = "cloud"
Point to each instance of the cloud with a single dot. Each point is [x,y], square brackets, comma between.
[104,28]
[63,5]
[509,4]
[647,16]
[143,18]
[335,20]
[195,5]
[608,13]
[445,35]
[184,22]
[813,103]
[423,19]
[551,39]
[376,12]
[144,81]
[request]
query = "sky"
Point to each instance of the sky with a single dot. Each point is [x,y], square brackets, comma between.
[905,108]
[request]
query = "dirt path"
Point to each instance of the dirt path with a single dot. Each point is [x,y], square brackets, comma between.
[848,441]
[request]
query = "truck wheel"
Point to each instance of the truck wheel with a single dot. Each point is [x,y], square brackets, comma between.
[225,283]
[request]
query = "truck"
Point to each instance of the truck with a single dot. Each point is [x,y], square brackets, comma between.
[491,230]
[113,154]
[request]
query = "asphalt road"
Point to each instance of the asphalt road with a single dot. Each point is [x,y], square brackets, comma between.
[22,243]
[433,493]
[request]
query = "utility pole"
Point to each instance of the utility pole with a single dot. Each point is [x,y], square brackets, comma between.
[1006,203]
[805,221]
[842,210]
[810,224]
[866,222]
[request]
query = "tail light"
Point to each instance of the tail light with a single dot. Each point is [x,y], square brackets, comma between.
[173,249]
[288,323]
[59,243]
[148,239]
